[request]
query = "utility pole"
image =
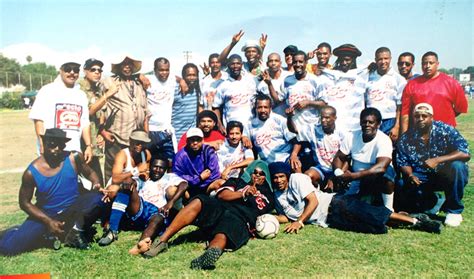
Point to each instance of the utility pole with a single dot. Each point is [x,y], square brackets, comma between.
[187,55]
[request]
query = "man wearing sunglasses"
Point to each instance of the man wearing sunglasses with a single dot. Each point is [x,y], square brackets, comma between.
[61,210]
[406,62]
[97,96]
[61,104]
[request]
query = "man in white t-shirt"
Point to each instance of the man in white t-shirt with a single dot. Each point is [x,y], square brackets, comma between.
[298,202]
[211,81]
[61,104]
[269,132]
[301,94]
[160,97]
[233,156]
[273,78]
[235,95]
[369,153]
[384,92]
[146,205]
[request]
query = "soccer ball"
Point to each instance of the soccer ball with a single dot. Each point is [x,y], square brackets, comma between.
[267,226]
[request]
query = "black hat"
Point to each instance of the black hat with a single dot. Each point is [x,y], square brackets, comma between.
[91,62]
[347,50]
[291,49]
[56,133]
[72,64]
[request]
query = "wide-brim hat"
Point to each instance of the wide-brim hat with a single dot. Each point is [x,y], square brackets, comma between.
[136,65]
[140,136]
[56,133]
[347,50]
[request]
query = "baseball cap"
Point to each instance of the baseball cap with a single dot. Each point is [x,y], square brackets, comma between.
[91,62]
[141,136]
[424,107]
[194,132]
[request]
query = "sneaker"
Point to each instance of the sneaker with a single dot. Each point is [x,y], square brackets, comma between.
[453,220]
[426,224]
[108,237]
[76,239]
[156,247]
[207,260]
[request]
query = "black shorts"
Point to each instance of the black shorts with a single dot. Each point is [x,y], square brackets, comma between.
[350,214]
[221,217]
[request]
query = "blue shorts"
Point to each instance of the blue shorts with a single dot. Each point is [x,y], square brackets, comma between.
[387,125]
[140,220]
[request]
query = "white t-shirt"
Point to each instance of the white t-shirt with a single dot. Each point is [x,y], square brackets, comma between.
[364,154]
[65,108]
[291,201]
[385,92]
[325,146]
[295,91]
[346,93]
[160,96]
[277,83]
[229,155]
[236,96]
[155,191]
[209,88]
[271,138]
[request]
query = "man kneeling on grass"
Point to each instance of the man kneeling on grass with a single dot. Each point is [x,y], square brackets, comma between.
[228,220]
[147,205]
[298,202]
[61,210]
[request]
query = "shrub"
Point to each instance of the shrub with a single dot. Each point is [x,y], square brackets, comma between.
[11,100]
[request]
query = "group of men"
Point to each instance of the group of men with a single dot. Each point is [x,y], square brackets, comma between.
[381,139]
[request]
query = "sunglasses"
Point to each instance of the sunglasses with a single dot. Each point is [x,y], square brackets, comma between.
[53,144]
[68,69]
[95,70]
[259,173]
[401,63]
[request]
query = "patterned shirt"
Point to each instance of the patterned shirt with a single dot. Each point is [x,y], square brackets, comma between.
[413,151]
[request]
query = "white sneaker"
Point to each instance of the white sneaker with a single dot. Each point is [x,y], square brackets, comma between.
[453,220]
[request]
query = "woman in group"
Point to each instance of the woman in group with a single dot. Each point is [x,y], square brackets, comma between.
[227,219]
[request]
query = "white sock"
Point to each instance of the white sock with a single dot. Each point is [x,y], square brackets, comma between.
[388,201]
[76,228]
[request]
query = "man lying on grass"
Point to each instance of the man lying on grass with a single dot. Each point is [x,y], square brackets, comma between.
[298,202]
[227,220]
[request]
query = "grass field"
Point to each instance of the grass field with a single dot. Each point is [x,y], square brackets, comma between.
[314,252]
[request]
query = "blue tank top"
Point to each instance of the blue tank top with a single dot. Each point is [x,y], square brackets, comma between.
[56,193]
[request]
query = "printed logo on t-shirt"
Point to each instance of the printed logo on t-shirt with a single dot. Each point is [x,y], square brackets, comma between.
[68,116]
[376,95]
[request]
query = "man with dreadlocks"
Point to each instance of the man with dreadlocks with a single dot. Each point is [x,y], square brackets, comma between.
[343,89]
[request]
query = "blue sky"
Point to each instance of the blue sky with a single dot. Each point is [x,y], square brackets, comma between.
[54,31]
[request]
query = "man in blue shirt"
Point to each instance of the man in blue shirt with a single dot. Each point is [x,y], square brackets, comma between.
[432,157]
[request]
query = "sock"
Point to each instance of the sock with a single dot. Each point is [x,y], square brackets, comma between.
[118,209]
[388,201]
[207,260]
[76,228]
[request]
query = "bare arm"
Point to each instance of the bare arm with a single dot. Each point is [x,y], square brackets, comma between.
[380,167]
[225,52]
[39,130]
[456,155]
[311,202]
[86,136]
[100,103]
[217,111]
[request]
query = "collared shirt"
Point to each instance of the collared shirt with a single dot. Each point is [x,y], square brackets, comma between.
[93,94]
[412,151]
[126,109]
[384,92]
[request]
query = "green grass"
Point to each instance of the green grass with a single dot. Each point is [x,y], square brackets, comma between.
[314,252]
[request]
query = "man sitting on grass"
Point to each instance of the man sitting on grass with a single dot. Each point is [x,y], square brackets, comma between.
[61,210]
[298,202]
[146,205]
